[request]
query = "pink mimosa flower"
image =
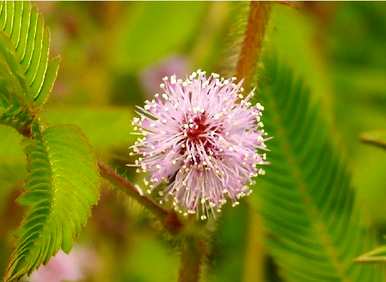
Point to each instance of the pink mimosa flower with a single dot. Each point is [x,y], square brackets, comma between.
[66,267]
[151,77]
[204,139]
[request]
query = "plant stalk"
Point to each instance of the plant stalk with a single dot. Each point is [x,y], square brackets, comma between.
[251,48]
[192,254]
[253,42]
[168,218]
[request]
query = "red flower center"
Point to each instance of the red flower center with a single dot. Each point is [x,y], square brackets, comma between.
[197,128]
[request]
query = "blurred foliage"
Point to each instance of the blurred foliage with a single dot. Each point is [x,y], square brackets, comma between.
[170,27]
[306,197]
[229,245]
[94,122]
[357,69]
[338,48]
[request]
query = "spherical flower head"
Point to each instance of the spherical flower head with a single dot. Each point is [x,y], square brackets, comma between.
[202,138]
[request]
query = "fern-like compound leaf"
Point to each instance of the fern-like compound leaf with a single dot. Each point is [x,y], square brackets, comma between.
[14,109]
[29,39]
[27,73]
[62,187]
[306,199]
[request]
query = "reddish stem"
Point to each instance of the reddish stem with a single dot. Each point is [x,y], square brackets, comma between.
[193,251]
[253,41]
[169,219]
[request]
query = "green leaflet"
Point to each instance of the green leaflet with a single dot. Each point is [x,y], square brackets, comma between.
[63,177]
[61,188]
[305,197]
[24,27]
[24,52]
[14,110]
[377,255]
[376,138]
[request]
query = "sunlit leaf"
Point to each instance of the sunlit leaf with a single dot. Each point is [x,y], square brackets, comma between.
[376,138]
[29,42]
[27,74]
[61,188]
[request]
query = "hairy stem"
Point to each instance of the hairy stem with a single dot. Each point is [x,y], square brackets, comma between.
[192,255]
[253,41]
[168,218]
[245,69]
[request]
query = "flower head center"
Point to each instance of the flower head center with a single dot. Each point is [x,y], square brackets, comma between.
[197,128]
[200,137]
